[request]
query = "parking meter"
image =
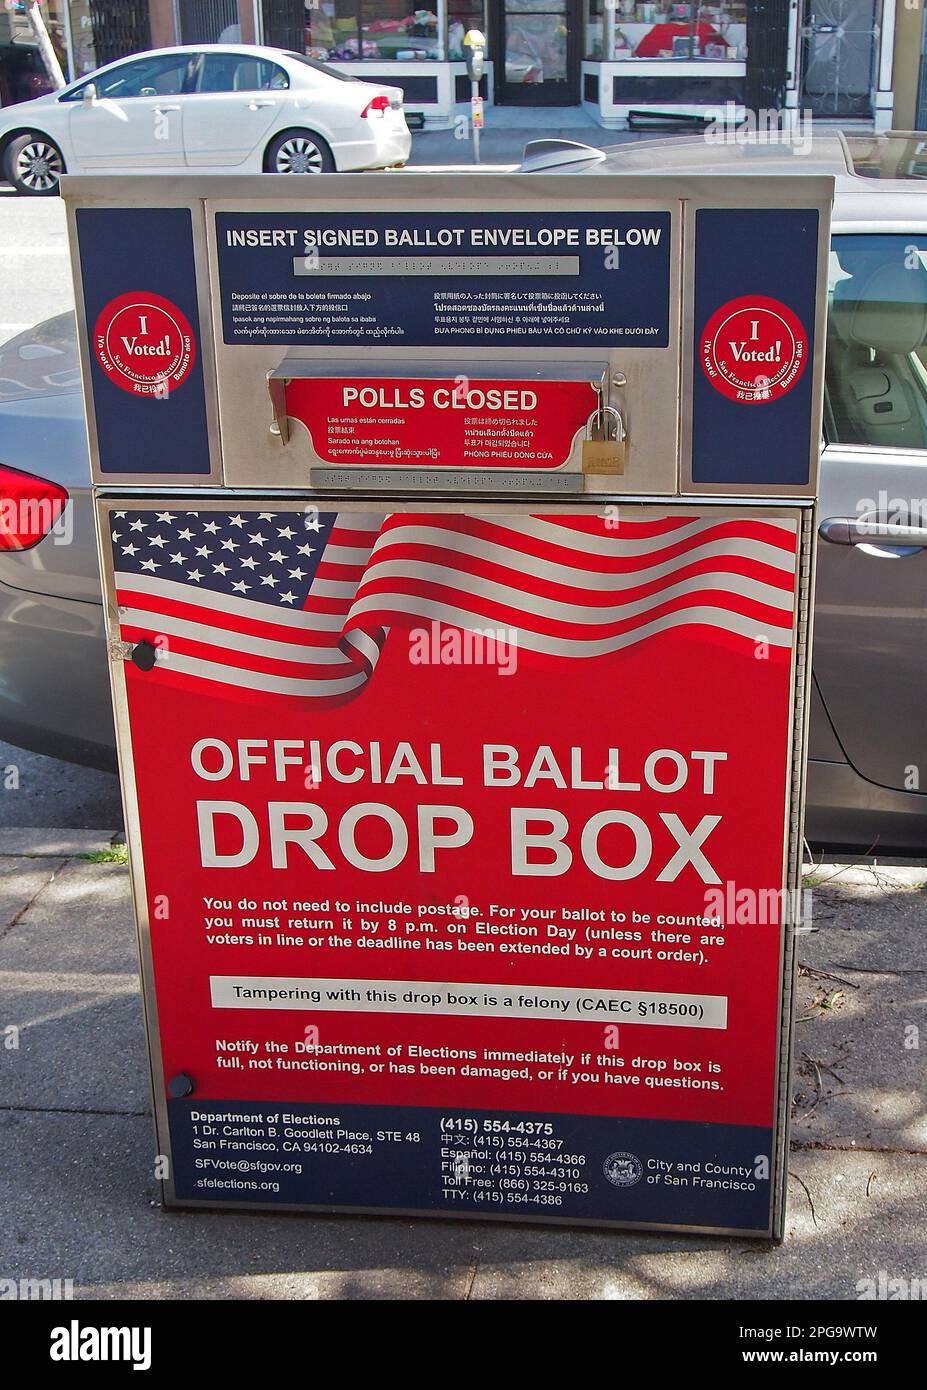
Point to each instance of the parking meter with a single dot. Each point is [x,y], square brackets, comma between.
[456,543]
[474,45]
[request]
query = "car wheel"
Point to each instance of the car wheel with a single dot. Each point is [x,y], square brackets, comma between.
[298,152]
[34,165]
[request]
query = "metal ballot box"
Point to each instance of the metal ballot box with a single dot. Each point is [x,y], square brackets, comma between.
[456,538]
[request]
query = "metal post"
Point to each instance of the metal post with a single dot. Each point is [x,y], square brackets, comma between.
[44,43]
[476,128]
[69,43]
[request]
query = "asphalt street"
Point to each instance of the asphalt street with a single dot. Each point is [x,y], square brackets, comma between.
[35,274]
[35,790]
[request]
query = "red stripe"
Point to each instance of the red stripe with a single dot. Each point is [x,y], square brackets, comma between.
[351,538]
[618,520]
[321,603]
[344,574]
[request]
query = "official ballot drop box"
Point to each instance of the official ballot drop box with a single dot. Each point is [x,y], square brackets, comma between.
[456,537]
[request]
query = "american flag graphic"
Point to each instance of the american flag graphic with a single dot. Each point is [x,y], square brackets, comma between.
[299,603]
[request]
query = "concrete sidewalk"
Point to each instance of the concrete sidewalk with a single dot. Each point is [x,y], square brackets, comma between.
[76,1165]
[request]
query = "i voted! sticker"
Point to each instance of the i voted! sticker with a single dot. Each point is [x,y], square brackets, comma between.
[144,343]
[753,349]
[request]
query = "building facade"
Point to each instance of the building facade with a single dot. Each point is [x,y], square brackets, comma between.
[613,57]
[625,62]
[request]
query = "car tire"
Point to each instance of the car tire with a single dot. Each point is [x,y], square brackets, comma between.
[299,152]
[34,164]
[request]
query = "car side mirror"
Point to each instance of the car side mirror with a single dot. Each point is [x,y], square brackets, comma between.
[89,94]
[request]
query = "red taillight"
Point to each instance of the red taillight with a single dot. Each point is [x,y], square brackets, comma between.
[378,107]
[29,508]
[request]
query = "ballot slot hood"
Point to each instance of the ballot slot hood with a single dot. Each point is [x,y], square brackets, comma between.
[488,425]
[433,280]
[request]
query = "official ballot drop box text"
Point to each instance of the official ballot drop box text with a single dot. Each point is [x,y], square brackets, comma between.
[457,544]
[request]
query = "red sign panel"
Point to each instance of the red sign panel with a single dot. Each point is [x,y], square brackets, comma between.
[470,894]
[457,422]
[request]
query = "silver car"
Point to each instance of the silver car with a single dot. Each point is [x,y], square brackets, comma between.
[867,785]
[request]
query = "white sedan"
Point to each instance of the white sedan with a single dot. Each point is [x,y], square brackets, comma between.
[209,108]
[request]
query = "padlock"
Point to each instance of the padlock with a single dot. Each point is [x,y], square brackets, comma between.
[605,448]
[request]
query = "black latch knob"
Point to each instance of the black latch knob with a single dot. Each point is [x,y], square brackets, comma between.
[145,655]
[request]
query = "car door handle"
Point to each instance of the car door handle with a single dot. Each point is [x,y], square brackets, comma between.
[256,105]
[163,110]
[852,530]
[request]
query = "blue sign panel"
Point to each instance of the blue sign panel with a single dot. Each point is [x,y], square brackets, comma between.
[410,1158]
[501,280]
[752,393]
[140,297]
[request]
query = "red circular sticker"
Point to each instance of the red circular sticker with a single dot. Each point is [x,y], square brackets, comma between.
[754,349]
[144,343]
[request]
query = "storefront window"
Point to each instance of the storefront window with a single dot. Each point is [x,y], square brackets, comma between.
[388,30]
[536,33]
[463,15]
[680,30]
[399,31]
[333,30]
[595,29]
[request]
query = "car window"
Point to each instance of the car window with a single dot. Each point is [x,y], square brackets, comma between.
[165,74]
[236,72]
[876,376]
